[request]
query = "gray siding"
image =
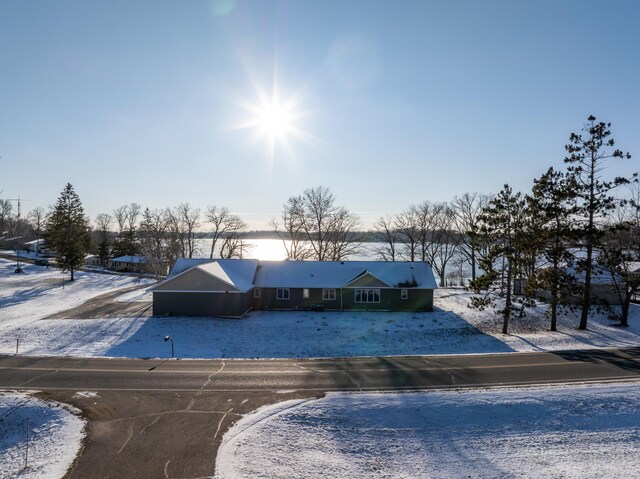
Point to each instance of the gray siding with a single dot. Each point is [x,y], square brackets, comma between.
[232,305]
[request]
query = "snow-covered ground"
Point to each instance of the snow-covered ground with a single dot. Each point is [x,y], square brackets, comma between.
[27,299]
[573,432]
[545,432]
[55,437]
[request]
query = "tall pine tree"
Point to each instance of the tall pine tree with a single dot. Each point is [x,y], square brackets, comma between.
[553,202]
[68,231]
[503,225]
[587,155]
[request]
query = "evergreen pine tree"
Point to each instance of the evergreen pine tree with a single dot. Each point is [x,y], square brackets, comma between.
[68,231]
[586,162]
[553,203]
[502,223]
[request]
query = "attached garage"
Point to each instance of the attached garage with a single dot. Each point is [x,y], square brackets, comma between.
[221,288]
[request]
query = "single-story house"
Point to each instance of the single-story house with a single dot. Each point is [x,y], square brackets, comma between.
[232,287]
[129,264]
[38,246]
[91,260]
[603,286]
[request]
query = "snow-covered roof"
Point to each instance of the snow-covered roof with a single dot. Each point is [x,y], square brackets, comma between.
[235,272]
[130,259]
[599,275]
[35,242]
[338,274]
[634,266]
[244,274]
[183,264]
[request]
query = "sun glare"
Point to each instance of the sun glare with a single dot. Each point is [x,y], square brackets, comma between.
[274,119]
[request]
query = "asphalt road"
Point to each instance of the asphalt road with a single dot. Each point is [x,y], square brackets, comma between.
[165,418]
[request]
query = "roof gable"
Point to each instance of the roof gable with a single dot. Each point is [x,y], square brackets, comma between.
[223,274]
[366,279]
[195,279]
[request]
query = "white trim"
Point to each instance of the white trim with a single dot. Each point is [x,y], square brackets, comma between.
[404,293]
[288,294]
[359,292]
[327,294]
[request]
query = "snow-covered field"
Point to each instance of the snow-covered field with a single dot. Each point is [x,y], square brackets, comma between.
[546,432]
[55,437]
[27,299]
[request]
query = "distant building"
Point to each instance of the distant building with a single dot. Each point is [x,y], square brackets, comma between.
[232,287]
[38,247]
[91,260]
[130,264]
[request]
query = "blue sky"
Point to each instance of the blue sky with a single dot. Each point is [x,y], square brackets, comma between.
[399,102]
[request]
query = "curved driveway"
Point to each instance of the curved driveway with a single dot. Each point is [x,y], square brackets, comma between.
[165,418]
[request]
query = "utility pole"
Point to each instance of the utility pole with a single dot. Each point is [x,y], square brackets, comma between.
[15,239]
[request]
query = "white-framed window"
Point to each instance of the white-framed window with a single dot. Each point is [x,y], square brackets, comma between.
[404,293]
[256,292]
[305,293]
[283,293]
[367,296]
[329,294]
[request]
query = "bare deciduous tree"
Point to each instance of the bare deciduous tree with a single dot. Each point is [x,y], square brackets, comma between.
[153,233]
[342,239]
[120,214]
[408,230]
[103,227]
[229,229]
[38,219]
[322,231]
[293,234]
[467,209]
[386,235]
[5,214]
[437,242]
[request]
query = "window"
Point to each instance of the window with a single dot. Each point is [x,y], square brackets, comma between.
[282,293]
[328,294]
[367,296]
[404,293]
[305,293]
[256,293]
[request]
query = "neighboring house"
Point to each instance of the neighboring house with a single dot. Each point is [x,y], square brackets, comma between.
[232,287]
[603,287]
[91,260]
[129,264]
[38,247]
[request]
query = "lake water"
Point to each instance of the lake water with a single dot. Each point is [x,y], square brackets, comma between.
[273,249]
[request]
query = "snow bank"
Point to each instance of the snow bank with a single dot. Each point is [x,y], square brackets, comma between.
[569,432]
[55,437]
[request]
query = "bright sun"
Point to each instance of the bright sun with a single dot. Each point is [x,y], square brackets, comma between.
[274,119]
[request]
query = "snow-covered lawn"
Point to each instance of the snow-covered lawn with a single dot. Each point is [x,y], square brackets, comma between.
[545,432]
[531,332]
[55,436]
[27,299]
